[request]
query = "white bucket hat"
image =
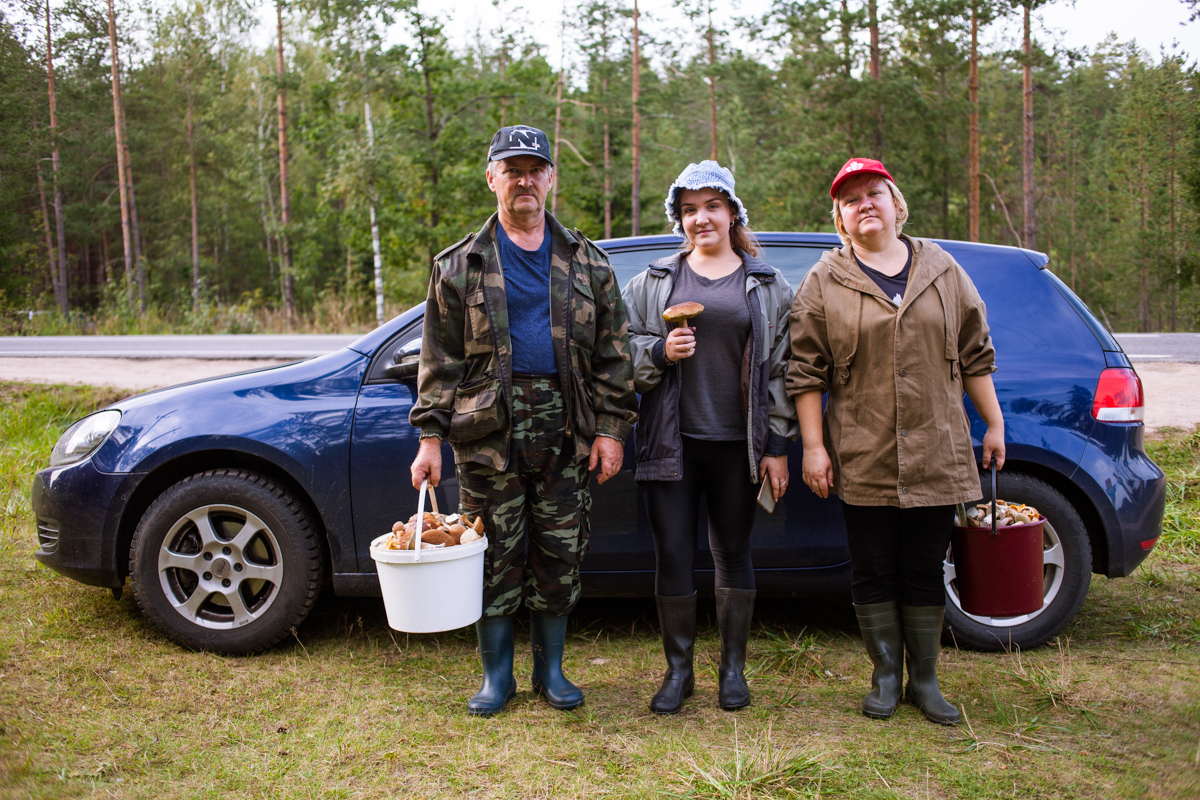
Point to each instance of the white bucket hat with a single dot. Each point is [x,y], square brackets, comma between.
[705,175]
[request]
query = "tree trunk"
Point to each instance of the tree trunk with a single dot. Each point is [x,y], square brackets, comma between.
[62,283]
[876,75]
[557,139]
[607,169]
[119,131]
[635,211]
[973,207]
[376,249]
[285,211]
[195,208]
[712,87]
[108,277]
[139,244]
[433,132]
[53,271]
[1027,160]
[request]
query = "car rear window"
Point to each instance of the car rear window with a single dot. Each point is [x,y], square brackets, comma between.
[792,260]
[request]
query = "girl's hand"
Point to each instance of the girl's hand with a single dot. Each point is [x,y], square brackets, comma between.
[818,470]
[775,469]
[681,343]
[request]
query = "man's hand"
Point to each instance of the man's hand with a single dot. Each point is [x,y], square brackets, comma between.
[608,453]
[428,463]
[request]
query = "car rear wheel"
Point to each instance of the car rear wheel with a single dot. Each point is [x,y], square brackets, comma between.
[1066,574]
[227,561]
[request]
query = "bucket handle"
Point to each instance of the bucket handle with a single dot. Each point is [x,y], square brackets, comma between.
[425,490]
[993,495]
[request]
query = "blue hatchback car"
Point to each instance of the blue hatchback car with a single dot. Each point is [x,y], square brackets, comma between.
[231,502]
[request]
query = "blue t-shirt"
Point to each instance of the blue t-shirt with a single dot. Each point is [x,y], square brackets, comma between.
[527,287]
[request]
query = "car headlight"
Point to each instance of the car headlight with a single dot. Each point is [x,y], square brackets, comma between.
[84,437]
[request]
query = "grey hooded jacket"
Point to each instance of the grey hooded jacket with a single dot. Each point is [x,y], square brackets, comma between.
[770,416]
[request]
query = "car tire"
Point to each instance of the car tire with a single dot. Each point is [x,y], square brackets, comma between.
[226,561]
[1067,575]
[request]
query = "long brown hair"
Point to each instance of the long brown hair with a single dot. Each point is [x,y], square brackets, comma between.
[741,237]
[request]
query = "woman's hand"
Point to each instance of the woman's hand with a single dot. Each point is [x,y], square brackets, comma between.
[818,469]
[681,343]
[993,445]
[775,469]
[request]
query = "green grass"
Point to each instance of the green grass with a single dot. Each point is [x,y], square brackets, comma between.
[94,703]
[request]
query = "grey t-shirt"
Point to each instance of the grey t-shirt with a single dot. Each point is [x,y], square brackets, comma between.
[710,399]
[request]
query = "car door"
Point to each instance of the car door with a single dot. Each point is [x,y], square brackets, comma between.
[804,531]
[383,445]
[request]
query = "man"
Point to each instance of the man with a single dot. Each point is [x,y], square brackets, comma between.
[525,369]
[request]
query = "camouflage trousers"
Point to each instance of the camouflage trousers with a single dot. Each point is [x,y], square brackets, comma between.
[536,512]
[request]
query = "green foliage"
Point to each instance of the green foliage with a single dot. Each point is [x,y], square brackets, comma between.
[1117,137]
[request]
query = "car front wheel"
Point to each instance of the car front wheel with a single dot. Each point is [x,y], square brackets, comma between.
[227,561]
[1066,574]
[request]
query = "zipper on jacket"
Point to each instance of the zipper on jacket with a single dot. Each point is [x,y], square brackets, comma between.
[750,405]
[496,348]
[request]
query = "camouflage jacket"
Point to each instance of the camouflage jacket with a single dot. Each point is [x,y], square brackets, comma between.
[464,384]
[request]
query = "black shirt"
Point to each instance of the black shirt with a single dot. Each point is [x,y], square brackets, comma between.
[891,285]
[710,403]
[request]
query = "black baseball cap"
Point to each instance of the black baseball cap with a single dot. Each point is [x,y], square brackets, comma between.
[520,140]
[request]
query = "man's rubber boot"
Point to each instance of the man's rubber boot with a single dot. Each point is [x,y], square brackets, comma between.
[922,641]
[677,618]
[884,640]
[496,651]
[548,635]
[735,607]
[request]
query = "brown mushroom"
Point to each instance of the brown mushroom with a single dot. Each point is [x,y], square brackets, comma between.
[681,313]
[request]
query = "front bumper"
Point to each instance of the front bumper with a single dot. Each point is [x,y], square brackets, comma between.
[78,511]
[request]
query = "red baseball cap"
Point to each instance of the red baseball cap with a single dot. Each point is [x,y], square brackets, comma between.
[858,166]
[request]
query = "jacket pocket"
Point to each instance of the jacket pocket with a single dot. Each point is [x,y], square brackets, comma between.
[478,409]
[480,338]
[581,406]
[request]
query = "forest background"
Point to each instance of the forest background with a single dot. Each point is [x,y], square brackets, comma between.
[231,227]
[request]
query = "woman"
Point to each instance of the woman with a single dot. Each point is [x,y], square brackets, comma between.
[894,330]
[714,418]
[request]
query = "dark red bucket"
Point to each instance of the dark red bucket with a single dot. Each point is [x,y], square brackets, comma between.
[999,571]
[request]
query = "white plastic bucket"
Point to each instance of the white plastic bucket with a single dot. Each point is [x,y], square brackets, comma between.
[427,591]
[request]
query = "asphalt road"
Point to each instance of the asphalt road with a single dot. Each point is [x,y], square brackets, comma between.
[1161,347]
[217,346]
[1144,347]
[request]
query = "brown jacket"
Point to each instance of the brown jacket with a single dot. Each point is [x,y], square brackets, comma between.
[895,426]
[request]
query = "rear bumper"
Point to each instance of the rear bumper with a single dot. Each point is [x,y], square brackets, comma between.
[78,511]
[1128,490]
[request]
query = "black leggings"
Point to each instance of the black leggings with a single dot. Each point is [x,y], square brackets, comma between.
[718,471]
[897,553]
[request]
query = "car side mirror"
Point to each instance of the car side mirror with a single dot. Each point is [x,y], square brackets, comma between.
[406,360]
[406,369]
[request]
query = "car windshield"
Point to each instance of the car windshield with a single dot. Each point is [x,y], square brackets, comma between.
[792,260]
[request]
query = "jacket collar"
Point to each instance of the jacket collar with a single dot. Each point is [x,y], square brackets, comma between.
[754,266]
[486,238]
[928,262]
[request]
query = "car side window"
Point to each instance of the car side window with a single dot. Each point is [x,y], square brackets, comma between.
[628,263]
[397,360]
[794,261]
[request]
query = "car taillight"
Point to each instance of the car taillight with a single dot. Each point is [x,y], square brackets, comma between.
[1119,396]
